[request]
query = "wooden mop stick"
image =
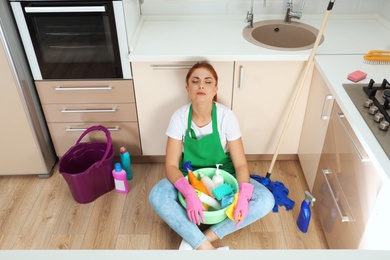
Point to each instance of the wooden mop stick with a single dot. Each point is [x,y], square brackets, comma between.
[301,82]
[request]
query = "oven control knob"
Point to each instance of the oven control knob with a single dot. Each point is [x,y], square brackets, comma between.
[368,103]
[384,125]
[378,117]
[372,110]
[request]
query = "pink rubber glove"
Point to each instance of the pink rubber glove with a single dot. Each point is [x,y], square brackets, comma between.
[193,204]
[242,207]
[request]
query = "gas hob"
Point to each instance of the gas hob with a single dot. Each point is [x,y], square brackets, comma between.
[372,101]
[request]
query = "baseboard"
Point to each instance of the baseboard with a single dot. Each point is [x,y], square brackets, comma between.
[249,157]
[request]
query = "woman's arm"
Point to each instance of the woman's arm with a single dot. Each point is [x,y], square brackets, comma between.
[236,149]
[172,160]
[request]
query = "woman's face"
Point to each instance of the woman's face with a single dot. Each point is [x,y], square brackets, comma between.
[201,86]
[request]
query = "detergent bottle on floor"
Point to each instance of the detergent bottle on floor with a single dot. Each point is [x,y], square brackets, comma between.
[126,162]
[120,180]
[305,213]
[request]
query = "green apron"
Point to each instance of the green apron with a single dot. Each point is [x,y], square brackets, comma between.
[206,152]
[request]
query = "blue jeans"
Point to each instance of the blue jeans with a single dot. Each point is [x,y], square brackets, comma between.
[164,200]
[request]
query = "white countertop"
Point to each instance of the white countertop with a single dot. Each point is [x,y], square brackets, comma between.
[220,38]
[347,39]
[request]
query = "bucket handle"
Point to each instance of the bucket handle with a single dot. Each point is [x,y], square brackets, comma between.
[108,135]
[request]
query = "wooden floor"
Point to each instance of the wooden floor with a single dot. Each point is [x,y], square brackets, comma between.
[41,214]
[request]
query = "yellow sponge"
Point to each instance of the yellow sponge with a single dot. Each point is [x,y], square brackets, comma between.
[230,210]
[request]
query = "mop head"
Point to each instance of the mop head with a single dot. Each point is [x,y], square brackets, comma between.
[279,191]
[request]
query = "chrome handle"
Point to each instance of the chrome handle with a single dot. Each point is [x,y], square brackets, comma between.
[171,67]
[327,100]
[362,155]
[65,9]
[241,78]
[59,88]
[325,172]
[69,129]
[65,110]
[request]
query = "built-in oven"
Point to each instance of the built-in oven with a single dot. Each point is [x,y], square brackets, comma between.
[74,39]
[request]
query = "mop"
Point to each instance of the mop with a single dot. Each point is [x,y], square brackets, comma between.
[278,189]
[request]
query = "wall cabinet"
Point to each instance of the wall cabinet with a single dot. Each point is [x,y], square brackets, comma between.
[346,185]
[70,107]
[262,97]
[317,115]
[160,90]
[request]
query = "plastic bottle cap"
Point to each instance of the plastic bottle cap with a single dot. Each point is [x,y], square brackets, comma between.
[122,150]
[118,167]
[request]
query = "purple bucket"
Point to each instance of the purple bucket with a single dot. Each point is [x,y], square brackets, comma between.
[87,167]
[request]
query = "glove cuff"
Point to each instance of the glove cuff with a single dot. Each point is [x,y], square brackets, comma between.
[246,189]
[184,187]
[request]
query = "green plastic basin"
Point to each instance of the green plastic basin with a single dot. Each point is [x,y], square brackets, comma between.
[213,216]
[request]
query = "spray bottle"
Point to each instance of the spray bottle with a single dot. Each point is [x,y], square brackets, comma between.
[305,213]
[197,184]
[126,163]
[217,178]
[119,174]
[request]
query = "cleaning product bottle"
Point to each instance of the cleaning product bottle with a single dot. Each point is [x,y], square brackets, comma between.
[120,180]
[197,184]
[217,178]
[126,163]
[208,200]
[305,213]
[208,183]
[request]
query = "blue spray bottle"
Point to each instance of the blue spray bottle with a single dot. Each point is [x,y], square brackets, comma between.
[305,213]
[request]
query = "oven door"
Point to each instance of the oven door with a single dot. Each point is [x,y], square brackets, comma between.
[73,40]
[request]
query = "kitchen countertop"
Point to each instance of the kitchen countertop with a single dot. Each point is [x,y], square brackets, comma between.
[160,38]
[347,39]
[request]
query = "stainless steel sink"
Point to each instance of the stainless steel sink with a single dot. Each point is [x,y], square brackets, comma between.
[278,35]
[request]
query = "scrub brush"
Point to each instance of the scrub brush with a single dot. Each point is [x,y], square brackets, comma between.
[377,57]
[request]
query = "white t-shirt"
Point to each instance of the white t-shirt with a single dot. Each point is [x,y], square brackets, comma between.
[228,127]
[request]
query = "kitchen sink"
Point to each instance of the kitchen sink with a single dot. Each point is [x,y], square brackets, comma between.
[278,35]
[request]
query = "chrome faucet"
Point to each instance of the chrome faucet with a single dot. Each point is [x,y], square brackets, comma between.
[249,16]
[292,14]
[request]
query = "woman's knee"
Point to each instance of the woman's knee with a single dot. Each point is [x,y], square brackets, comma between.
[161,193]
[263,197]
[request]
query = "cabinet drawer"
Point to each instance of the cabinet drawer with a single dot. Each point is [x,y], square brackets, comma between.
[90,112]
[333,209]
[355,172]
[119,91]
[65,135]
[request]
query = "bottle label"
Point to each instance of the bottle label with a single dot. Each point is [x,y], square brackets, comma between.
[120,185]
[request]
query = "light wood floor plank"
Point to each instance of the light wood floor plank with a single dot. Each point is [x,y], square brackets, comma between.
[41,214]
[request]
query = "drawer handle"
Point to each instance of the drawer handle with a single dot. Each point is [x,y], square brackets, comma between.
[171,67]
[112,110]
[343,218]
[70,129]
[59,88]
[241,78]
[363,158]
[69,9]
[327,100]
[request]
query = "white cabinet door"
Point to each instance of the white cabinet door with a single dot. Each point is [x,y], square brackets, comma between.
[262,97]
[317,115]
[160,90]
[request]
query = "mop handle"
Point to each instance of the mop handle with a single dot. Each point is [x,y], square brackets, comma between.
[301,82]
